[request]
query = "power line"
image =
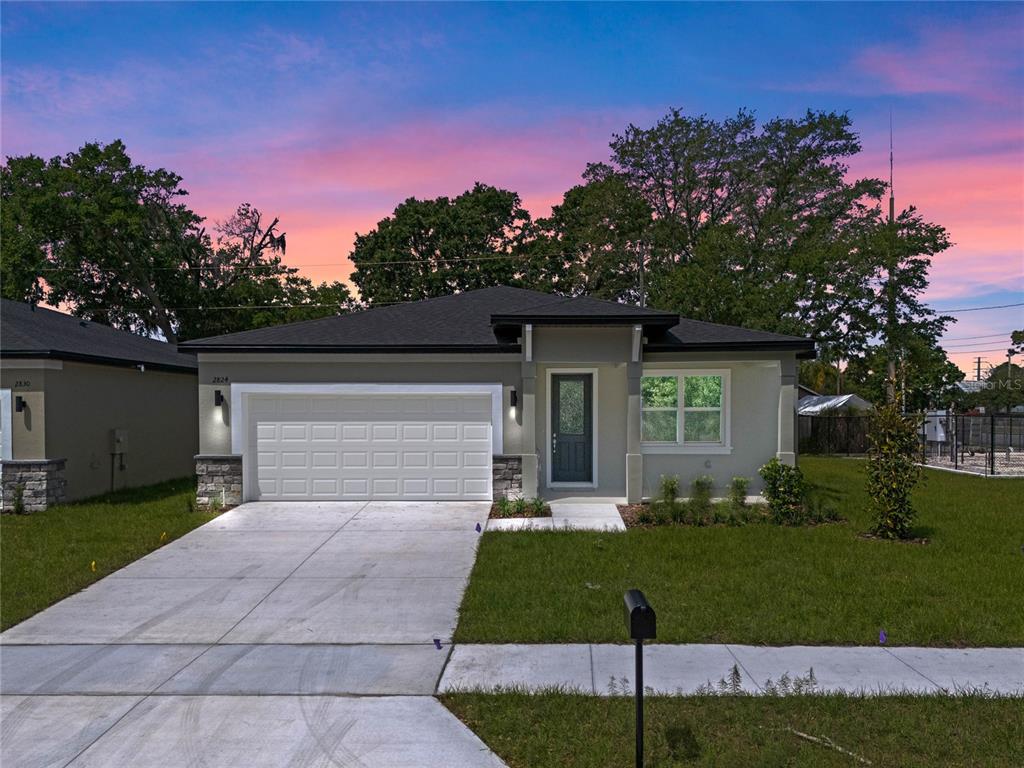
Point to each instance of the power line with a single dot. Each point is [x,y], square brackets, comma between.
[987,336]
[979,309]
[228,268]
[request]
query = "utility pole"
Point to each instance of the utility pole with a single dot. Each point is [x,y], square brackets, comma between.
[977,375]
[890,297]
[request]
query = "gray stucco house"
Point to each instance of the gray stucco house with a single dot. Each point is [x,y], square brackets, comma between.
[498,390]
[85,408]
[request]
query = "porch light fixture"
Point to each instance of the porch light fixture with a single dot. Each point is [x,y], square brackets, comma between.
[19,404]
[514,401]
[218,398]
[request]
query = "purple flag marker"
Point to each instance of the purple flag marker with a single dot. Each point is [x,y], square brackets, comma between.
[478,528]
[437,643]
[882,637]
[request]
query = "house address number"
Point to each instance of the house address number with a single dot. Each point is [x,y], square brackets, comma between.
[221,379]
[21,383]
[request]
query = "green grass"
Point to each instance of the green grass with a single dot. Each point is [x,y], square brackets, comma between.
[763,584]
[46,556]
[556,729]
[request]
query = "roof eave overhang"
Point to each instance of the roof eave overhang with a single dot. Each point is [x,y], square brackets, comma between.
[804,349]
[354,348]
[76,357]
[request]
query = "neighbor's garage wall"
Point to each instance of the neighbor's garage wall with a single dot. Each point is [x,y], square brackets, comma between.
[27,378]
[84,402]
[219,371]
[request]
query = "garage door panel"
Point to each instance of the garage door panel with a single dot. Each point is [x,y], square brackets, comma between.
[357,448]
[354,432]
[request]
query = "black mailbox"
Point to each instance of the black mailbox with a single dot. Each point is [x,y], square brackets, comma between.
[640,617]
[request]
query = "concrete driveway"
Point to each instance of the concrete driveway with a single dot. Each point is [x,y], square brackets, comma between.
[280,634]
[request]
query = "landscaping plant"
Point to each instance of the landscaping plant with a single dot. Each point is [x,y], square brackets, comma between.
[893,471]
[785,489]
[738,492]
[700,498]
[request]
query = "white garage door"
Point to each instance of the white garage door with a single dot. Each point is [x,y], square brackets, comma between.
[371,446]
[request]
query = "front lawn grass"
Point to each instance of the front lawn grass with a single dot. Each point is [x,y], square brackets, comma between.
[763,584]
[46,556]
[570,731]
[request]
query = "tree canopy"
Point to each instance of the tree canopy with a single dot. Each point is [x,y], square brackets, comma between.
[113,241]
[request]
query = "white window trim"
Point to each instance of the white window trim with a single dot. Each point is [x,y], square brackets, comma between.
[7,438]
[547,436]
[679,447]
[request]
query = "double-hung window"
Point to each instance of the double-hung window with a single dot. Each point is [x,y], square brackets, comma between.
[684,408]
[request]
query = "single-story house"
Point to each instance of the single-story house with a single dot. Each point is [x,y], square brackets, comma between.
[494,391]
[85,408]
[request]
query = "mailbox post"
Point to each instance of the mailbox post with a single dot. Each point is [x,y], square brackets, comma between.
[641,625]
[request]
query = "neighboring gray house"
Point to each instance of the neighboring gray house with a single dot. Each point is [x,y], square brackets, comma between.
[85,408]
[499,390]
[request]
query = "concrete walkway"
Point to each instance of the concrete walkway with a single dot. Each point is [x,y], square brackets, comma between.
[684,669]
[278,634]
[575,515]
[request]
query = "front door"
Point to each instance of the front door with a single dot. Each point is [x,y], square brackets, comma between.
[572,428]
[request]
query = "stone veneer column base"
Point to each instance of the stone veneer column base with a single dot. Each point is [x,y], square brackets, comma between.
[219,480]
[508,476]
[40,483]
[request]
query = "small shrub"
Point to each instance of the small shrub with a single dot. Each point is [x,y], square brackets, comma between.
[191,504]
[700,497]
[738,491]
[18,506]
[677,512]
[785,489]
[669,488]
[536,507]
[893,446]
[646,515]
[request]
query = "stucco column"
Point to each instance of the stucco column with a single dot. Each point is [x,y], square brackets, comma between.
[634,459]
[528,405]
[786,451]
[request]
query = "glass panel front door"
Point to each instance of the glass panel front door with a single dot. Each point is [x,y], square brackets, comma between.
[572,428]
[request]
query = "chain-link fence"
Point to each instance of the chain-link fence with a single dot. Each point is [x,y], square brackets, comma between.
[988,444]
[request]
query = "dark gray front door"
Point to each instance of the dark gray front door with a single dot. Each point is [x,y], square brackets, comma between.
[572,428]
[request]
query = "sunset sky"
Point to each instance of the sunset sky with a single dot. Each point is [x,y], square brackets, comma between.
[328,115]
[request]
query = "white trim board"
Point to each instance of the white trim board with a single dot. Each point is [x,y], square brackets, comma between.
[547,436]
[7,437]
[680,447]
[239,415]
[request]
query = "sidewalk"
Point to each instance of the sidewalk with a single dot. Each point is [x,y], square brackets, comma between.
[684,669]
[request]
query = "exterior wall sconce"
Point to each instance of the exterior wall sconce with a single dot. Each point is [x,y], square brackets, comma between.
[19,404]
[218,398]
[514,401]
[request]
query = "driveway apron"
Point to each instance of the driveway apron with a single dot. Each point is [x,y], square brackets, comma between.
[298,634]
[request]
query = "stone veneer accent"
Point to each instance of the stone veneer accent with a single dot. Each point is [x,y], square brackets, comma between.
[220,480]
[508,476]
[42,483]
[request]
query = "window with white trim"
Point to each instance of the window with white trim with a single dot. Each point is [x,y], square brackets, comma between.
[684,408]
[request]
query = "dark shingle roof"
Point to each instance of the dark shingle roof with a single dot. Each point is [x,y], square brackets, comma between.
[697,335]
[29,332]
[585,309]
[477,321]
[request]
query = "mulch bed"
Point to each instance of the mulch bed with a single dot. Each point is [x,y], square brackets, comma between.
[496,514]
[630,512]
